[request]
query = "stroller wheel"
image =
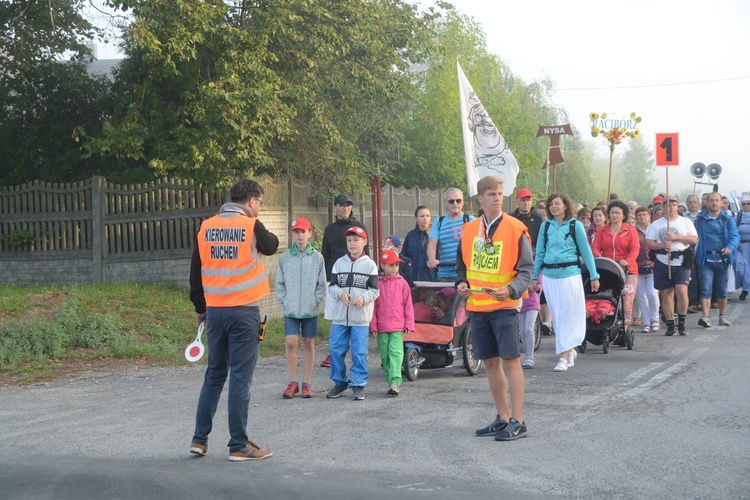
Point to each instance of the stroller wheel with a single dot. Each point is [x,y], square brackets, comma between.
[472,365]
[411,364]
[629,339]
[537,334]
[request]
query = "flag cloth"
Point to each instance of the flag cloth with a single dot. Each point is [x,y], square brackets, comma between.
[485,149]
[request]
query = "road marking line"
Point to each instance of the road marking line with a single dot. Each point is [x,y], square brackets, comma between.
[638,374]
[662,376]
[705,338]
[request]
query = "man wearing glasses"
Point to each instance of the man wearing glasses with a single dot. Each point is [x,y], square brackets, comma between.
[445,236]
[227,281]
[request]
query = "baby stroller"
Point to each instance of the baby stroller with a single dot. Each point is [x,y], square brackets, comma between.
[441,330]
[605,318]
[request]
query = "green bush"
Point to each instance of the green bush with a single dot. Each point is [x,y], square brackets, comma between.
[40,326]
[19,237]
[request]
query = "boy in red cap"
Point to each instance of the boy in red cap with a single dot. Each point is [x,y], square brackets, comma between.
[392,318]
[353,289]
[300,287]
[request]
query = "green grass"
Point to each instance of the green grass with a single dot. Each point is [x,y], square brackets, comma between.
[44,328]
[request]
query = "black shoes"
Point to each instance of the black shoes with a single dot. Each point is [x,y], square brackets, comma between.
[496,426]
[670,330]
[514,430]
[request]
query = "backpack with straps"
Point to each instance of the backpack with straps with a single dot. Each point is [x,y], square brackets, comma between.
[437,250]
[572,234]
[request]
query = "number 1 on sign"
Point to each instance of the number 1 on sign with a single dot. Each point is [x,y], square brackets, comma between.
[666,145]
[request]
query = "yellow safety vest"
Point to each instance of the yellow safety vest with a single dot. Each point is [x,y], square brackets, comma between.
[493,270]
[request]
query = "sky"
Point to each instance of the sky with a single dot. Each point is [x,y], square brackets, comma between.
[646,56]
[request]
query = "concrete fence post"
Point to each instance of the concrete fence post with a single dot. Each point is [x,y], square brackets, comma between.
[98,229]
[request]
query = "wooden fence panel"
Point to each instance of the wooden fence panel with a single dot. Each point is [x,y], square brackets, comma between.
[53,214]
[110,222]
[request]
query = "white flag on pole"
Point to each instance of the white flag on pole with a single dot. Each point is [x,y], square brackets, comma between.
[485,149]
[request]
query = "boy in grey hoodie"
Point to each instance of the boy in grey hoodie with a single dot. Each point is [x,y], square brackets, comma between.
[353,289]
[300,287]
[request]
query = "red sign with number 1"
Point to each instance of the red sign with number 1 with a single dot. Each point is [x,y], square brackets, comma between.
[667,150]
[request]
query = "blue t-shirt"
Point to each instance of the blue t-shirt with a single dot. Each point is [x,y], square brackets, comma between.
[448,236]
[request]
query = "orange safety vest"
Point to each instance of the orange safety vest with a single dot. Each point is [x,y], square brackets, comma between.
[231,272]
[492,270]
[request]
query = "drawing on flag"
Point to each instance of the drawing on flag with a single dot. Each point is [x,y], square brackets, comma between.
[485,149]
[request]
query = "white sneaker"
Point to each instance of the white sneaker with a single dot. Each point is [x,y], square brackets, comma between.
[572,358]
[562,365]
[724,321]
[646,329]
[655,326]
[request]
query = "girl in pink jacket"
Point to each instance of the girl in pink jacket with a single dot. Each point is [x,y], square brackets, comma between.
[392,318]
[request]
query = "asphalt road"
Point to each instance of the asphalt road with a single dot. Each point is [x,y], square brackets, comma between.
[666,420]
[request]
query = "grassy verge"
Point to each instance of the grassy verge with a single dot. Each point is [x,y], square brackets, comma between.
[44,328]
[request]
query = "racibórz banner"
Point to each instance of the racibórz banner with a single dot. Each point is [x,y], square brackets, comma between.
[485,149]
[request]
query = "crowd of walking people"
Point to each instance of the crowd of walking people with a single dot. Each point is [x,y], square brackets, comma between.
[510,268]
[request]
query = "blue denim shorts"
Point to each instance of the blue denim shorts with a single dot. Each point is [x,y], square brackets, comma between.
[495,334]
[308,326]
[713,275]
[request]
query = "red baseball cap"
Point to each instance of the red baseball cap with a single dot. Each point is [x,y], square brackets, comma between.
[658,200]
[389,257]
[523,193]
[356,231]
[301,223]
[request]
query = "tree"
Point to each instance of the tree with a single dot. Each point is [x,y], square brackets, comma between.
[574,176]
[432,152]
[634,173]
[212,89]
[50,99]
[43,98]
[33,32]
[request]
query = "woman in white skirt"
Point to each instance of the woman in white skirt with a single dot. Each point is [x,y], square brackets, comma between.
[561,241]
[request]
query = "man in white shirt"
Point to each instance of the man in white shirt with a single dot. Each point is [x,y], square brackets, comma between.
[670,237]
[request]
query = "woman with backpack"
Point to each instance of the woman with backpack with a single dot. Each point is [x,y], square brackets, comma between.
[562,240]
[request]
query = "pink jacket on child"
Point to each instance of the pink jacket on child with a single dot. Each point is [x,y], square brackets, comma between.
[394,311]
